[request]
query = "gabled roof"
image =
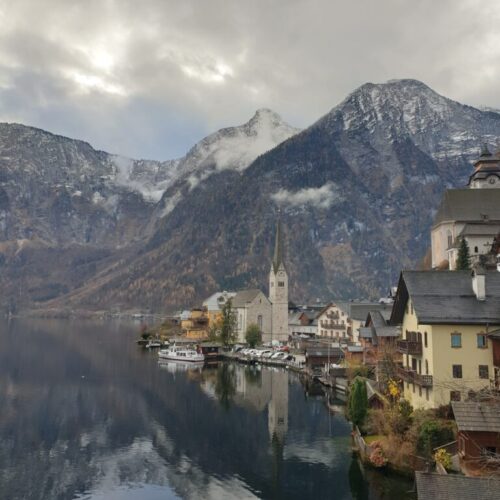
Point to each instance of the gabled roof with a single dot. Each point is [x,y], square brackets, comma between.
[469,205]
[359,310]
[475,416]
[447,297]
[432,486]
[243,297]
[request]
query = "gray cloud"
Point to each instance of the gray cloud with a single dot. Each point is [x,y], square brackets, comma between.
[148,79]
[321,197]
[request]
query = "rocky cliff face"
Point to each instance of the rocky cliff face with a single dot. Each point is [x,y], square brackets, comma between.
[358,190]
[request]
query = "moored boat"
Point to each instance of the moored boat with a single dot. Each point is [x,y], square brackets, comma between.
[181,354]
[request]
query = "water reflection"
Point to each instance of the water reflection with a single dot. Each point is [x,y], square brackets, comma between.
[86,414]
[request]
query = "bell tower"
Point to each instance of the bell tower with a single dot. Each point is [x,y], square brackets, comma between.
[278,290]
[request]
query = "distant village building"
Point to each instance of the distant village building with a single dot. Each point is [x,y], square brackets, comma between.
[378,338]
[334,323]
[252,307]
[357,313]
[195,326]
[303,323]
[278,291]
[214,305]
[472,213]
[446,318]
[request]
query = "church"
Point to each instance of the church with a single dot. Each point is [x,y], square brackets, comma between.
[471,213]
[269,313]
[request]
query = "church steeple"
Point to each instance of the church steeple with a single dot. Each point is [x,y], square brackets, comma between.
[278,248]
[278,290]
[486,170]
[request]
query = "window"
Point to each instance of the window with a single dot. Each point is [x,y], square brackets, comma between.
[483,371]
[427,393]
[457,371]
[455,396]
[476,250]
[420,366]
[426,367]
[259,321]
[411,308]
[482,341]
[450,238]
[281,283]
[425,339]
[456,340]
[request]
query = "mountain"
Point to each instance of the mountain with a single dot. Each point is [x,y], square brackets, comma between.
[66,210]
[358,190]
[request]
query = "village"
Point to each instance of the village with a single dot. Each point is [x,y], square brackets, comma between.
[420,366]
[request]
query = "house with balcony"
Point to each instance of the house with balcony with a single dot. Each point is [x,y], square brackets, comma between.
[333,323]
[446,319]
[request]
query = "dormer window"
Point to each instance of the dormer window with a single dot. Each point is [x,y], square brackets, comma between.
[281,283]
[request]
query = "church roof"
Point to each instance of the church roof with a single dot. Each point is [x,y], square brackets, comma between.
[278,248]
[243,297]
[469,205]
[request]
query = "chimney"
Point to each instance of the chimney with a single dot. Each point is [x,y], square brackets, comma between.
[479,281]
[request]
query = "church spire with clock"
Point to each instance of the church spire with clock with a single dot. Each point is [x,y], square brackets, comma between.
[278,290]
[486,170]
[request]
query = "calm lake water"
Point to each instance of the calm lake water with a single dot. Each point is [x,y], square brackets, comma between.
[86,414]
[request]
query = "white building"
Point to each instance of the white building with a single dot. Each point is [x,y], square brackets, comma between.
[217,300]
[472,213]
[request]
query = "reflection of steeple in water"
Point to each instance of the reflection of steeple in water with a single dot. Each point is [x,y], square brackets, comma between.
[278,406]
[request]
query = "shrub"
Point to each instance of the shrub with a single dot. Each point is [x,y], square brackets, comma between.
[443,457]
[377,456]
[434,433]
[357,406]
[253,335]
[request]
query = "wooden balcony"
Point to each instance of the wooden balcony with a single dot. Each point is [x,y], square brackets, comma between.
[409,375]
[413,347]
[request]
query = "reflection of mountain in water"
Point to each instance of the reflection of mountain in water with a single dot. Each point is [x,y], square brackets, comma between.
[85,410]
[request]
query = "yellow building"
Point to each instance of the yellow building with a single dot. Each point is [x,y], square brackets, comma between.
[196,326]
[445,318]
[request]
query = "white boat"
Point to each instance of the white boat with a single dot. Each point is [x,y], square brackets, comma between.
[181,354]
[153,343]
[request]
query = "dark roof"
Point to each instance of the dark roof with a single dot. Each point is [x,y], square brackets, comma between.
[446,297]
[475,416]
[432,486]
[359,310]
[244,296]
[482,229]
[377,326]
[316,351]
[469,205]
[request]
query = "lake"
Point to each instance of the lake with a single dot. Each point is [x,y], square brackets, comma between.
[87,414]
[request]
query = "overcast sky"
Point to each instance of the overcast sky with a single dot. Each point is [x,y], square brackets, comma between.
[149,78]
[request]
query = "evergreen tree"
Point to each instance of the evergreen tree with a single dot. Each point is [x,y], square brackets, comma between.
[463,261]
[357,406]
[253,335]
[228,324]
